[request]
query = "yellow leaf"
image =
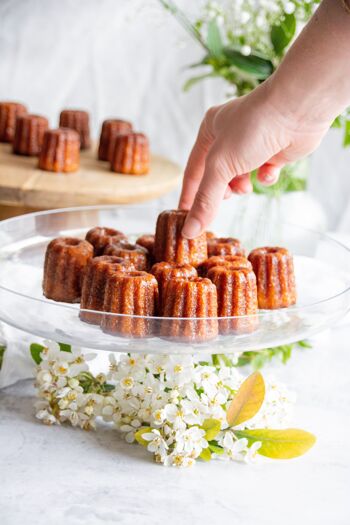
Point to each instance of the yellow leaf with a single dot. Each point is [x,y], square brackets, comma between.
[279,444]
[212,428]
[205,454]
[139,433]
[248,400]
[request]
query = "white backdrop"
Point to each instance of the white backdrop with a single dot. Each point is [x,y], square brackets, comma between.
[127,58]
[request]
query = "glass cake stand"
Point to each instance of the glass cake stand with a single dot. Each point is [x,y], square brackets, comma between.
[322,267]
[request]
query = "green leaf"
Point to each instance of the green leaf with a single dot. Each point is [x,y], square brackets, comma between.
[205,454]
[346,141]
[282,34]
[337,122]
[304,344]
[64,347]
[2,353]
[35,351]
[212,427]
[216,449]
[257,67]
[214,41]
[279,444]
[248,400]
[107,387]
[139,433]
[194,80]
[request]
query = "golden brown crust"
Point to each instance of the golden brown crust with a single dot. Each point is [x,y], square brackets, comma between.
[79,121]
[65,261]
[110,130]
[60,151]
[94,283]
[195,299]
[132,294]
[164,272]
[224,246]
[138,255]
[29,134]
[130,154]
[101,236]
[171,246]
[9,111]
[147,241]
[274,270]
[232,261]
[237,296]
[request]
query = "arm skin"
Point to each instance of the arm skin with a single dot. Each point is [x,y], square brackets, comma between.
[281,121]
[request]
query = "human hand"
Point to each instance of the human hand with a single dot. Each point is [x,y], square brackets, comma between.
[253,132]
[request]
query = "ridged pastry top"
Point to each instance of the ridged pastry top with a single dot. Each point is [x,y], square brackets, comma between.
[101,236]
[231,261]
[138,255]
[171,246]
[224,246]
[196,297]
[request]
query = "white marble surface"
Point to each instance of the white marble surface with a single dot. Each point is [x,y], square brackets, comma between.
[56,475]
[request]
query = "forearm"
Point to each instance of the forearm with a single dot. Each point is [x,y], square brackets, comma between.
[313,80]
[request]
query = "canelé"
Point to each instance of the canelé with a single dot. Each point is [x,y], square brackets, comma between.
[171,246]
[195,299]
[109,131]
[130,154]
[94,284]
[79,121]
[138,255]
[274,270]
[60,151]
[233,261]
[65,262]
[9,111]
[164,272]
[224,246]
[29,134]
[237,296]
[132,294]
[101,236]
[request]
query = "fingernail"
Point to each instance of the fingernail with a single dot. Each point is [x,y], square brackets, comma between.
[192,228]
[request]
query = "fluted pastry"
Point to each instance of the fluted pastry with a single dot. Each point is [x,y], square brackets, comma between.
[171,246]
[79,121]
[237,296]
[132,294]
[195,299]
[224,246]
[232,261]
[65,262]
[109,131]
[101,236]
[130,154]
[9,111]
[138,255]
[60,151]
[274,270]
[164,272]
[94,284]
[29,134]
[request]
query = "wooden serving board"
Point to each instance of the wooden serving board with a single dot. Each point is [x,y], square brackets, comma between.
[25,187]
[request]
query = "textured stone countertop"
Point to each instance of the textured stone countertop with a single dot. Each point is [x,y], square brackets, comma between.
[53,475]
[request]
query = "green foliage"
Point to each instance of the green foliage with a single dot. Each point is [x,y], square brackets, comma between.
[64,347]
[35,352]
[205,454]
[212,428]
[2,352]
[279,444]
[282,34]
[214,41]
[258,359]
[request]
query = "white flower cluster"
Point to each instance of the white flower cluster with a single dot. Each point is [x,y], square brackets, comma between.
[166,403]
[248,22]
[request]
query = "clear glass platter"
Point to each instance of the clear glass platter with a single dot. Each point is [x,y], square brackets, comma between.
[322,267]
